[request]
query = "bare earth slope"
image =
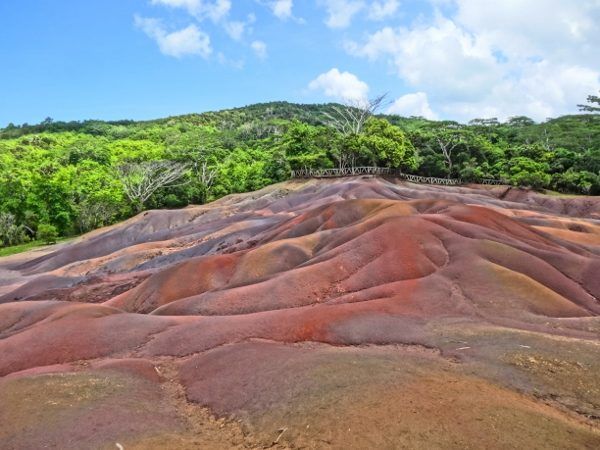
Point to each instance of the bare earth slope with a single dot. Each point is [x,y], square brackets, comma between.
[355,313]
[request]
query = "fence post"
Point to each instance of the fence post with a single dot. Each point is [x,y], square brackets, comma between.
[375,170]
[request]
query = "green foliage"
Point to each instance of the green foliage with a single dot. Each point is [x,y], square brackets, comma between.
[524,171]
[18,248]
[65,174]
[242,171]
[305,146]
[11,233]
[47,233]
[574,181]
[383,144]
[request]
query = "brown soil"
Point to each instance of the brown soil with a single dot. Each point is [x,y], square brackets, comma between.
[356,313]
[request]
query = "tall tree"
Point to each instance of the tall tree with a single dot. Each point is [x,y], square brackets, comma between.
[141,180]
[302,146]
[446,140]
[592,100]
[206,176]
[349,120]
[384,144]
[351,117]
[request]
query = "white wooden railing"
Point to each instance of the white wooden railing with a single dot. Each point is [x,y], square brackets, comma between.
[373,170]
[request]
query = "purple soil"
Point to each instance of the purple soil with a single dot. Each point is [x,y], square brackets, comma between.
[224,303]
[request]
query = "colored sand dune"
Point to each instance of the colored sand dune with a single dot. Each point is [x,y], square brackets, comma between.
[355,313]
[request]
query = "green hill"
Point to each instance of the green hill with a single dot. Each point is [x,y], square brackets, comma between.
[73,175]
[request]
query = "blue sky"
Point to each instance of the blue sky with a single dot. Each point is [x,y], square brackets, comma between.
[141,59]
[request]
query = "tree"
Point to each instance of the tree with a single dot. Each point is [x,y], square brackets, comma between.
[520,121]
[141,180]
[11,233]
[52,194]
[94,213]
[445,141]
[47,233]
[583,182]
[302,147]
[386,145]
[349,120]
[592,99]
[278,167]
[524,171]
[242,171]
[63,173]
[350,117]
[206,178]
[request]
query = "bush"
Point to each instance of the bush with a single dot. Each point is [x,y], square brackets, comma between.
[523,171]
[581,182]
[10,232]
[47,233]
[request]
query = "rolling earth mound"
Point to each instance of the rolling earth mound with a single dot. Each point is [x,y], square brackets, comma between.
[351,313]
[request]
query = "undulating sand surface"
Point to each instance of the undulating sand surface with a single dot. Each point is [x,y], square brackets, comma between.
[352,313]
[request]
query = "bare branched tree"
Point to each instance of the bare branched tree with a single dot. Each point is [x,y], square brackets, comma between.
[546,141]
[445,141]
[141,180]
[11,233]
[94,214]
[447,147]
[206,177]
[350,117]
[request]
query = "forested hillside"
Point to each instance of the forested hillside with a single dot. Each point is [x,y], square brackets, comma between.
[71,177]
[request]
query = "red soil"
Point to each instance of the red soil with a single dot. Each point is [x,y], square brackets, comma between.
[344,263]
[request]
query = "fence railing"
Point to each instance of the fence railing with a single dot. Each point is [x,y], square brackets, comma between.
[345,172]
[373,170]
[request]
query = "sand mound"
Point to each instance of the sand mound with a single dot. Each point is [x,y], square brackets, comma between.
[226,304]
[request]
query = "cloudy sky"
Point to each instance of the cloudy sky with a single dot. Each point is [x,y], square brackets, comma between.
[446,59]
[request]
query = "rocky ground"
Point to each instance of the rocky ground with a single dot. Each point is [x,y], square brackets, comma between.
[354,313]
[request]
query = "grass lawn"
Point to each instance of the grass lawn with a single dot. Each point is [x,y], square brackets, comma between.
[561,194]
[13,250]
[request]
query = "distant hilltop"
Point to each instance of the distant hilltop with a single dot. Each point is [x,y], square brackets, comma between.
[310,113]
[67,178]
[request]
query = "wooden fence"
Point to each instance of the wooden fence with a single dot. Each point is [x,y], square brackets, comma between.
[372,170]
[345,172]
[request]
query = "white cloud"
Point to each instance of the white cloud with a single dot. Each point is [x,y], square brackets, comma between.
[237,64]
[187,41]
[542,90]
[260,48]
[496,58]
[416,104]
[341,12]
[440,56]
[218,10]
[561,28]
[343,86]
[215,10]
[381,10]
[190,5]
[235,29]
[282,8]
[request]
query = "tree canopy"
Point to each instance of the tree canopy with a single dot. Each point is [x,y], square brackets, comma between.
[77,176]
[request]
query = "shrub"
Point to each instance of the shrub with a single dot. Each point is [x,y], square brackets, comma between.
[47,233]
[10,232]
